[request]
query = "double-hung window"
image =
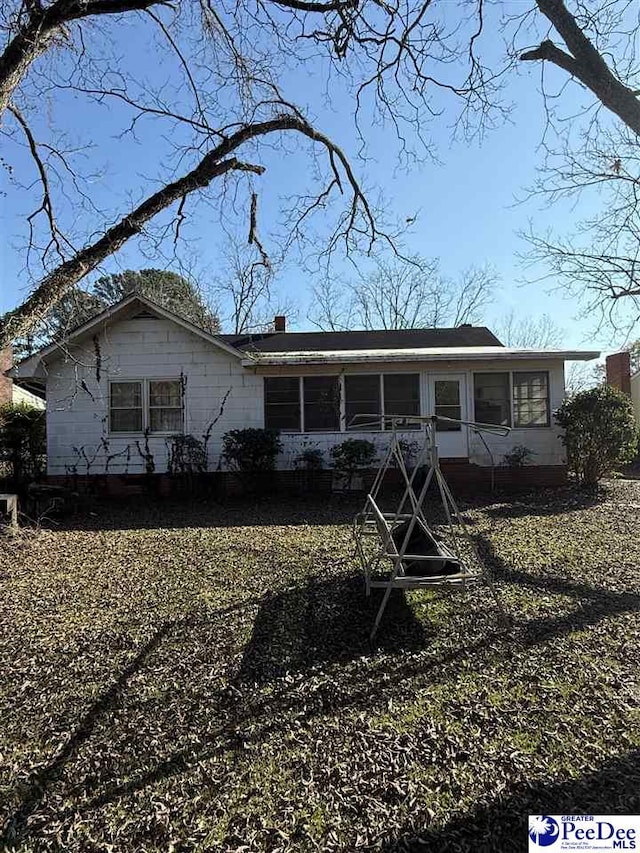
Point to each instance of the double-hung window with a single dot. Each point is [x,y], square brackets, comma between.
[518,399]
[146,404]
[531,399]
[125,407]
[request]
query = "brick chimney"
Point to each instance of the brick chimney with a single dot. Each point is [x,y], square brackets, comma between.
[619,371]
[280,323]
[6,384]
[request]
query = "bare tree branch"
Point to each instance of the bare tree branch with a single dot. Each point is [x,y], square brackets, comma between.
[213,165]
[585,63]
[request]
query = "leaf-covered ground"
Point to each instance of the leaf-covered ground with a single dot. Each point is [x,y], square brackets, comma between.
[200,679]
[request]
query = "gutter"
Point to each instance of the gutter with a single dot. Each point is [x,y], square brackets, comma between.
[368,356]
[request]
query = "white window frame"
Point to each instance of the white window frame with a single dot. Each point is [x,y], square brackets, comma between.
[145,404]
[343,399]
[531,426]
[511,373]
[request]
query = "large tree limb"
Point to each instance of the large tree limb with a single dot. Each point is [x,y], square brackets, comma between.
[585,63]
[218,162]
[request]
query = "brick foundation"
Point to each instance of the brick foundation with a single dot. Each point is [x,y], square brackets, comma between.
[461,476]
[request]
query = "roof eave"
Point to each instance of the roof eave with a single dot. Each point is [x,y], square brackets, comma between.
[461,354]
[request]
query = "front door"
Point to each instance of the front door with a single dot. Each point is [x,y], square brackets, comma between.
[447,398]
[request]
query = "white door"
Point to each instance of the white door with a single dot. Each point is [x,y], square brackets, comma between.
[447,398]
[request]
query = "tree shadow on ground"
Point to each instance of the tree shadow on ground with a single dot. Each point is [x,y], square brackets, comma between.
[502,823]
[36,786]
[543,502]
[324,621]
[150,513]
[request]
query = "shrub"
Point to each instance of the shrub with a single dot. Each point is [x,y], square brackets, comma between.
[310,459]
[600,432]
[23,440]
[187,455]
[519,456]
[352,454]
[251,449]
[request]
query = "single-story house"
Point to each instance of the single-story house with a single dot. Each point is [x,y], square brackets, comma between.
[128,380]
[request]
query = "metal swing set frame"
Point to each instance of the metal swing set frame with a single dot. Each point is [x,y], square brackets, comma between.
[398,532]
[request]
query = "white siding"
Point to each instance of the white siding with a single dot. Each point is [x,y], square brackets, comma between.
[145,348]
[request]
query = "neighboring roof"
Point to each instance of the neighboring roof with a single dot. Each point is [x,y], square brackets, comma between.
[395,339]
[127,307]
[418,354]
[22,395]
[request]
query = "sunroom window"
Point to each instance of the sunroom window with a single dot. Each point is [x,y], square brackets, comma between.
[282,403]
[362,402]
[491,398]
[401,396]
[321,403]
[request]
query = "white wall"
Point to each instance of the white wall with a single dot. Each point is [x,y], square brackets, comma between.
[77,414]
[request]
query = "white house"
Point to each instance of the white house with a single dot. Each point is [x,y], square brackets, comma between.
[137,374]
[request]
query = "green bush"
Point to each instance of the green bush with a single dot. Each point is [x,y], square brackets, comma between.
[251,449]
[187,455]
[352,455]
[23,441]
[310,459]
[600,432]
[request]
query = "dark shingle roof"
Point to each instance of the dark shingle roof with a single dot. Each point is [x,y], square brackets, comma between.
[462,336]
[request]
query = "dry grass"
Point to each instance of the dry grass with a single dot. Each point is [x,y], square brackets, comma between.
[200,679]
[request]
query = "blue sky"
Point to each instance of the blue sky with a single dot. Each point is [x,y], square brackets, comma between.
[467,201]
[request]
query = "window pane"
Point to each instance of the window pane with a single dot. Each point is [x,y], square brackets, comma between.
[126,395]
[321,403]
[402,395]
[447,397]
[165,393]
[362,397]
[282,403]
[126,420]
[531,399]
[165,420]
[491,398]
[447,392]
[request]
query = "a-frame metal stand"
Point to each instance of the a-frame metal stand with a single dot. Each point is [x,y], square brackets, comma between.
[418,558]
